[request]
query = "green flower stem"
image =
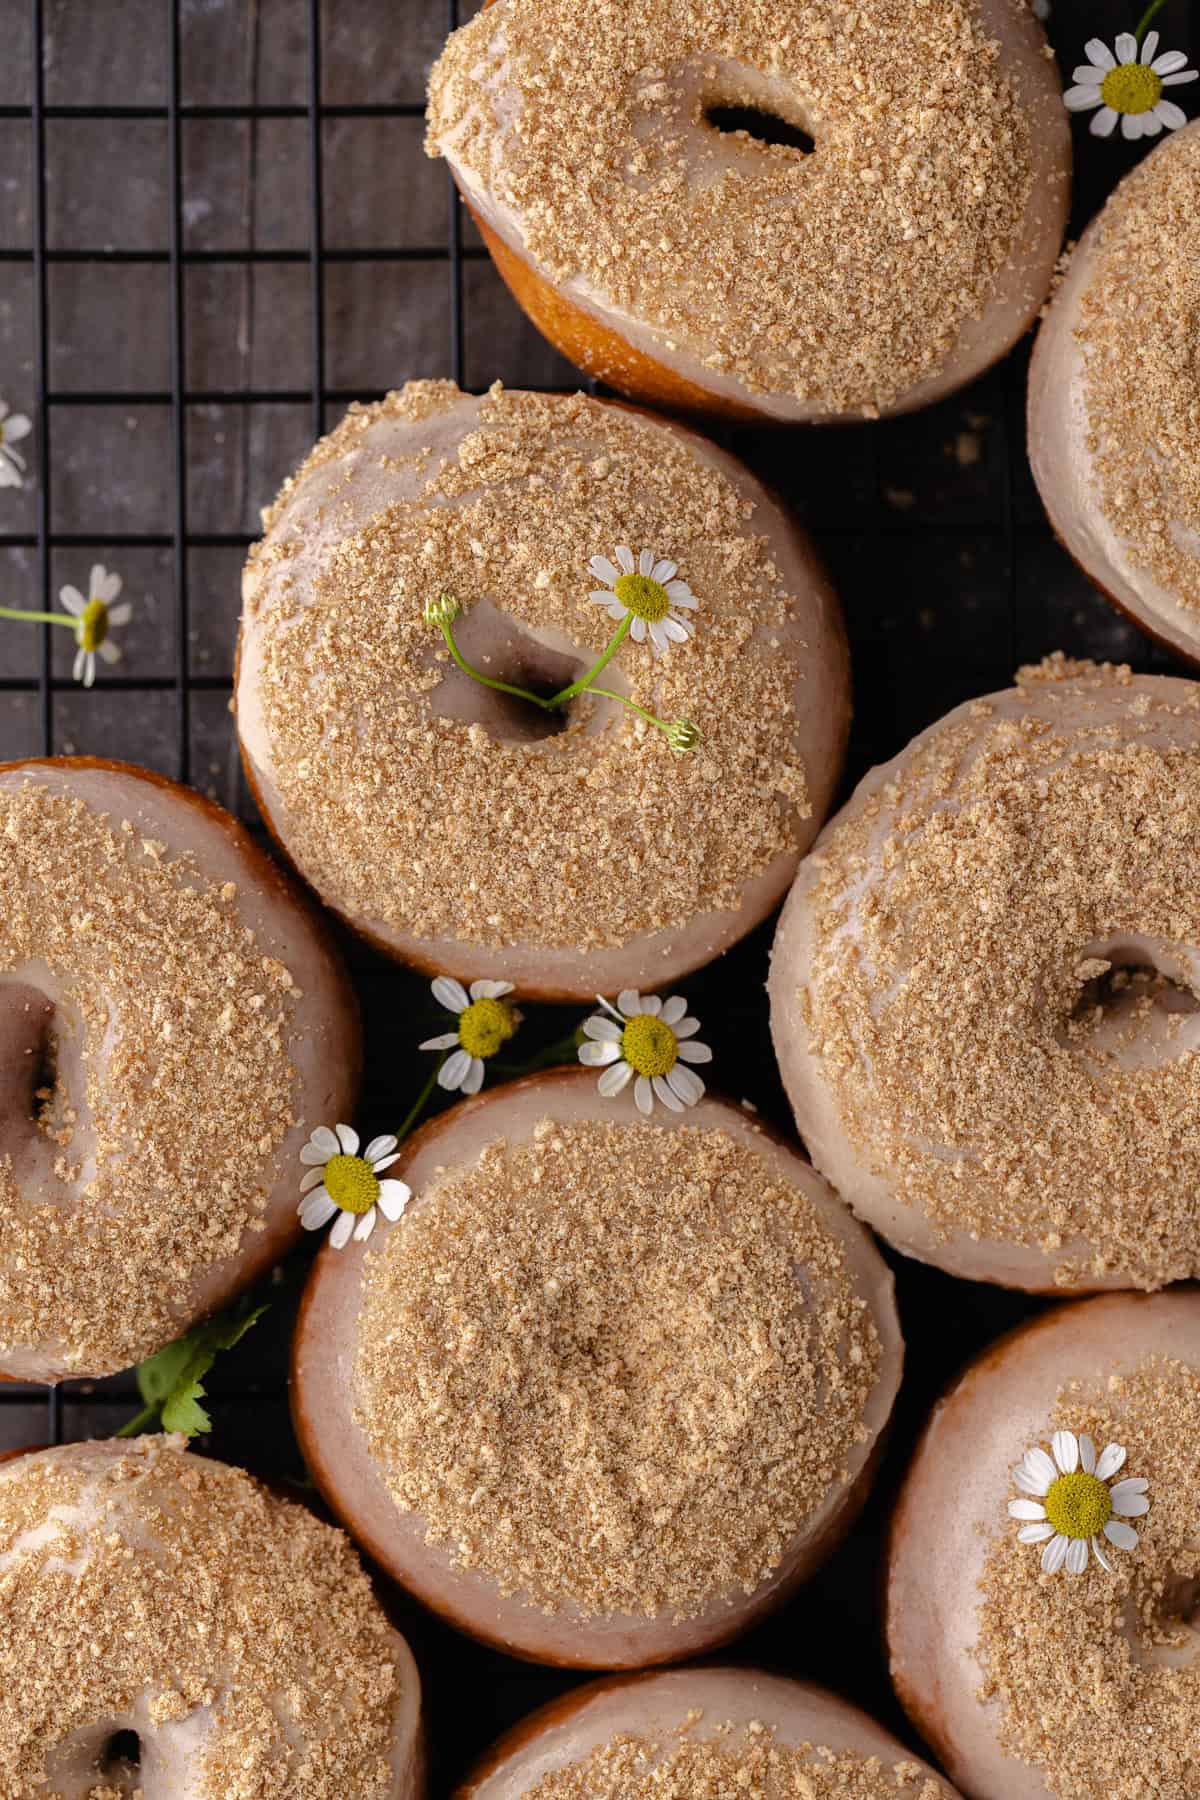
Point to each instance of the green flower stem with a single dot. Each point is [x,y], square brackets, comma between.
[422,1100]
[585,681]
[501,687]
[607,694]
[140,1421]
[39,618]
[1148,18]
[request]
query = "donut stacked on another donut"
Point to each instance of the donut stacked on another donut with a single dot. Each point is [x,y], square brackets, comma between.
[1114,397]
[169,1628]
[173,1023]
[698,267]
[458,828]
[984,987]
[701,1732]
[612,1387]
[1059,1686]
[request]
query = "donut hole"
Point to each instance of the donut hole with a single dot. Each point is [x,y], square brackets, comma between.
[504,649]
[28,1053]
[1180,1603]
[121,1753]
[760,125]
[1129,1005]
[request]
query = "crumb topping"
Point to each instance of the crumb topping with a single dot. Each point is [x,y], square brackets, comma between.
[157,1590]
[842,277]
[749,1763]
[441,827]
[1097,1675]
[1139,320]
[1003,986]
[615,1366]
[148,1042]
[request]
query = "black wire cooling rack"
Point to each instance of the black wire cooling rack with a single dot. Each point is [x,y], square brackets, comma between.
[933,531]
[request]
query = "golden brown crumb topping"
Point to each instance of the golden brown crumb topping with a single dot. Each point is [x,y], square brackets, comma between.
[158,1033]
[1097,1675]
[842,277]
[1003,983]
[1138,325]
[588,1362]
[733,1764]
[440,827]
[157,1590]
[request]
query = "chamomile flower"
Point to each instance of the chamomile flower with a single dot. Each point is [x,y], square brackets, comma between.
[347,1187]
[95,618]
[485,1022]
[13,427]
[1069,1503]
[647,1041]
[1120,84]
[647,590]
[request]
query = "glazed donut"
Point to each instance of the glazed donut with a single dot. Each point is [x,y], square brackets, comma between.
[693,1732]
[696,267]
[611,1388]
[437,816]
[1059,1686]
[173,1022]
[984,987]
[1114,397]
[170,1630]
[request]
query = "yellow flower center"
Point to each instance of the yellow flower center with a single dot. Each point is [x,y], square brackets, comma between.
[644,598]
[93,625]
[1131,88]
[351,1183]
[484,1026]
[648,1046]
[1079,1505]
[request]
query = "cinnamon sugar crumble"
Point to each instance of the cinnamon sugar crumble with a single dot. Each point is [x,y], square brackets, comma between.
[588,1363]
[156,1579]
[442,828]
[1096,1675]
[145,1157]
[1137,330]
[749,1763]
[842,277]
[1000,1048]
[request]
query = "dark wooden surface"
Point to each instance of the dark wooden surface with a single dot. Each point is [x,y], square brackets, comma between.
[949,574]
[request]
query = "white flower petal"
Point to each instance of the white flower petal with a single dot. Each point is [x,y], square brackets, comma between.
[673,1009]
[1133,126]
[385,1162]
[1081,99]
[651,1004]
[614,1080]
[108,652]
[348,1139]
[1026,1482]
[604,1030]
[1123,1536]
[380,1146]
[1170,62]
[1149,46]
[1065,1446]
[312,1178]
[365,1226]
[687,601]
[1170,115]
[637,630]
[1054,1555]
[630,1002]
[79,667]
[1087,1454]
[646,562]
[1026,1509]
[663,571]
[1098,52]
[1180,80]
[686,1028]
[1087,76]
[1041,1470]
[690,1052]
[666,1094]
[1128,1505]
[658,636]
[643,1096]
[689,1087]
[1101,1558]
[1104,123]
[71,600]
[598,1056]
[604,570]
[624,556]
[602,597]
[10,469]
[120,615]
[17,425]
[343,1230]
[394,1196]
[325,1141]
[1077,1556]
[1035,1534]
[490,990]
[473,1079]
[316,1211]
[454,1071]
[1126,47]
[450,993]
[676,631]
[1151,124]
[1112,1458]
[446,1041]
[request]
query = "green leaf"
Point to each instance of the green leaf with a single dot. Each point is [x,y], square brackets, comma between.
[172,1381]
